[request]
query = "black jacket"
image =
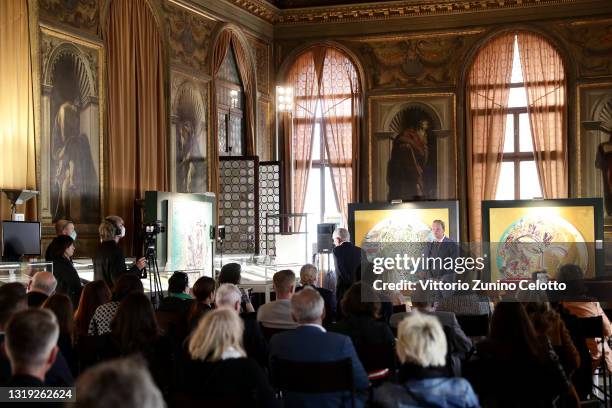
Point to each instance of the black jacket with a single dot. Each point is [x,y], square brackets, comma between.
[239,378]
[68,281]
[59,374]
[109,263]
[253,339]
[36,299]
[348,266]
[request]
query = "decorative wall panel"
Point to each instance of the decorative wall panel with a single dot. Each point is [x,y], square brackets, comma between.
[269,203]
[239,204]
[81,14]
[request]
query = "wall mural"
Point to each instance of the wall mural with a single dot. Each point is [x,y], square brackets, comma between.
[413,146]
[189,131]
[81,14]
[595,132]
[71,133]
[189,37]
[590,44]
[261,53]
[416,62]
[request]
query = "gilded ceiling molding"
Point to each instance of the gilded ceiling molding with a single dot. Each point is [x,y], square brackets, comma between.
[380,11]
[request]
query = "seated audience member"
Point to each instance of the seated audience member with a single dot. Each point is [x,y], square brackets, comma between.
[310,342]
[514,350]
[178,300]
[109,261]
[459,344]
[466,302]
[134,330]
[31,346]
[12,301]
[204,293]
[104,314]
[582,306]
[230,273]
[68,281]
[548,322]
[61,306]
[229,297]
[423,381]
[218,367]
[94,294]
[308,277]
[41,286]
[277,314]
[124,383]
[62,227]
[361,324]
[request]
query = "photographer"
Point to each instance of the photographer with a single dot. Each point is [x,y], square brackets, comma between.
[109,261]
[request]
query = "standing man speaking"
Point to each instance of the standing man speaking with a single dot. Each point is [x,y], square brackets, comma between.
[348,262]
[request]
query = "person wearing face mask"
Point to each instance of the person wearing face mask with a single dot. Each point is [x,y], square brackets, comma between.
[62,228]
[68,281]
[109,261]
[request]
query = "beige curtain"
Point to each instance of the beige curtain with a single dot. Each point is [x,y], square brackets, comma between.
[487,97]
[18,163]
[304,78]
[339,106]
[137,137]
[544,78]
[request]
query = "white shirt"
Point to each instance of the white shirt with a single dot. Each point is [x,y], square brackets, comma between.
[231,353]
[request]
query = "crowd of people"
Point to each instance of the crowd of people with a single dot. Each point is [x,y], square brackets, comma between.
[210,344]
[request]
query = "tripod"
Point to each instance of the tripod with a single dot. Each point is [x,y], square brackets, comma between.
[152,270]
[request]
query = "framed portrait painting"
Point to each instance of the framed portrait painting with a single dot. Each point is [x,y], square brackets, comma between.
[412,143]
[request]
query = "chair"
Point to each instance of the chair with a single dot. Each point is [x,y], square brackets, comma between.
[376,356]
[313,377]
[268,332]
[592,328]
[474,325]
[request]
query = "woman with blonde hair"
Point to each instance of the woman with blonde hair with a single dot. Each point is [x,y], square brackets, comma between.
[423,381]
[216,366]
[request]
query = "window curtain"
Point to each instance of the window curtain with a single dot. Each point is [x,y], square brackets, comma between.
[340,109]
[228,38]
[18,164]
[304,77]
[544,78]
[487,92]
[137,137]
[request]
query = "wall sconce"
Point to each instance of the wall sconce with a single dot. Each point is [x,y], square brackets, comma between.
[234,98]
[284,99]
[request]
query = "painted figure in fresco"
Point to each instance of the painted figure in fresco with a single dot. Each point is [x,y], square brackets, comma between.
[603,162]
[75,179]
[407,165]
[188,152]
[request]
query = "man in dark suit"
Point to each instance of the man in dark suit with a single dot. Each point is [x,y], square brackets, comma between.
[348,259]
[229,296]
[310,342]
[41,286]
[438,251]
[308,277]
[13,300]
[31,346]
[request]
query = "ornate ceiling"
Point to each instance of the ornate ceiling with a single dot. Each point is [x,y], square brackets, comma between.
[289,4]
[287,12]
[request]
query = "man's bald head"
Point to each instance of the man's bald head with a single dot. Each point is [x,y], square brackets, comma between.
[43,282]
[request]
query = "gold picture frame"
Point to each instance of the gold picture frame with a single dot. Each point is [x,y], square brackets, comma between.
[385,113]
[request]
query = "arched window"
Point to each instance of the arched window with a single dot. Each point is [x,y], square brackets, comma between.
[230,107]
[517,127]
[324,142]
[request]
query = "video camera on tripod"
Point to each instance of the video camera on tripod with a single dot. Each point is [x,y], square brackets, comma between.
[151,231]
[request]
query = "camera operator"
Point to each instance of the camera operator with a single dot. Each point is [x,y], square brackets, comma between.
[109,261]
